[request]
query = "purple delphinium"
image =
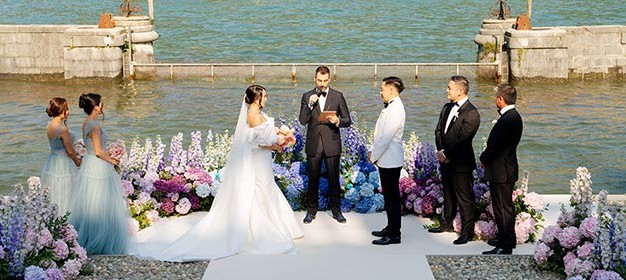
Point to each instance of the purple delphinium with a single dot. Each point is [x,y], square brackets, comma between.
[195,153]
[426,162]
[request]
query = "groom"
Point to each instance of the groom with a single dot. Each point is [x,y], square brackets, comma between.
[323,140]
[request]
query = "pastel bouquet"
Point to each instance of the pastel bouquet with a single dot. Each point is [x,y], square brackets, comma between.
[79,147]
[116,149]
[288,139]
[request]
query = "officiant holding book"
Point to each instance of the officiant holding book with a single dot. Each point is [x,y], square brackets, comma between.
[323,110]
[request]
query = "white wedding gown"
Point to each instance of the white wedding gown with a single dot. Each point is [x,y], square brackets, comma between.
[249,214]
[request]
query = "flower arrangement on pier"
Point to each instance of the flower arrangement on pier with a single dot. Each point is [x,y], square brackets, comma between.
[187,180]
[36,242]
[583,244]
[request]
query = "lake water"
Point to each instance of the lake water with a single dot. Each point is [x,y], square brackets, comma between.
[566,125]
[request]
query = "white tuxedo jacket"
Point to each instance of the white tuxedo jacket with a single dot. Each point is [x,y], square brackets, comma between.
[387,151]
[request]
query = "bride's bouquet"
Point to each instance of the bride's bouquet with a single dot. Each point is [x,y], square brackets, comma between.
[288,139]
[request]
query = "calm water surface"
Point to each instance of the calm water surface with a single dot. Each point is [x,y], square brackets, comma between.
[582,124]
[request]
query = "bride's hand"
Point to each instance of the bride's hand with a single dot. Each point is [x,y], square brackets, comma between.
[281,140]
[279,148]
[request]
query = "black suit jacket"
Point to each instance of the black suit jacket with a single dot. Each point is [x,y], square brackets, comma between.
[326,132]
[500,156]
[457,143]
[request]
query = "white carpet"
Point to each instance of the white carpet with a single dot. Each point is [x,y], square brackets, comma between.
[330,250]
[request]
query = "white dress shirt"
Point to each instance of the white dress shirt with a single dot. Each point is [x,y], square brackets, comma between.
[321,100]
[387,151]
[506,108]
[453,112]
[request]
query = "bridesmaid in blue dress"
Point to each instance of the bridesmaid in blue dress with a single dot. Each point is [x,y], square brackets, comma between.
[99,210]
[61,166]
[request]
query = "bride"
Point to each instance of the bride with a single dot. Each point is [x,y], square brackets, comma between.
[249,213]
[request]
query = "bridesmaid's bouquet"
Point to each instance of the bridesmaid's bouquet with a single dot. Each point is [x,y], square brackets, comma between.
[117,150]
[289,139]
[79,147]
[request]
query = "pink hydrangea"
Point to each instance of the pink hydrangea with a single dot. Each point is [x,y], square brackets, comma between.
[550,233]
[569,257]
[542,252]
[60,249]
[456,223]
[524,226]
[585,251]
[429,204]
[406,185]
[534,201]
[486,230]
[45,237]
[167,206]
[578,267]
[71,269]
[81,253]
[565,219]
[55,274]
[69,234]
[569,237]
[588,227]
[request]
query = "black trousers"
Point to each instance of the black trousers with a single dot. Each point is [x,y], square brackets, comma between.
[315,169]
[458,192]
[504,213]
[390,180]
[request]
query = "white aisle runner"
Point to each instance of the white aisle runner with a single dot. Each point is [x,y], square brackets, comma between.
[331,251]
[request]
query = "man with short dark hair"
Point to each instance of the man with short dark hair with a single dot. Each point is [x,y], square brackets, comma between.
[501,169]
[388,155]
[323,140]
[458,123]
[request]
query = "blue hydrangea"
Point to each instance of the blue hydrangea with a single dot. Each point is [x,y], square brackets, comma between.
[322,203]
[35,273]
[349,186]
[203,190]
[323,188]
[292,192]
[345,205]
[353,195]
[366,167]
[366,190]
[374,179]
[360,179]
[379,202]
[365,205]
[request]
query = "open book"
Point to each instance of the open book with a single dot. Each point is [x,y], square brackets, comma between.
[325,114]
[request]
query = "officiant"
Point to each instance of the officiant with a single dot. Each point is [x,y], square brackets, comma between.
[388,155]
[323,110]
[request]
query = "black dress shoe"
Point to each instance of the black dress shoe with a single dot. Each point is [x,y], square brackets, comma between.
[309,218]
[464,238]
[386,240]
[441,229]
[498,251]
[380,233]
[339,217]
[493,242]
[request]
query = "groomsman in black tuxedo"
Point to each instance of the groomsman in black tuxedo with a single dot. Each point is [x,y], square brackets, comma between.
[458,122]
[323,140]
[387,153]
[501,170]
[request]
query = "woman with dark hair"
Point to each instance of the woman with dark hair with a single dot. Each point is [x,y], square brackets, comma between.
[99,210]
[249,214]
[60,168]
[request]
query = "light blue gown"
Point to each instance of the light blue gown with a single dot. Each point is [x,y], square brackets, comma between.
[99,209]
[58,173]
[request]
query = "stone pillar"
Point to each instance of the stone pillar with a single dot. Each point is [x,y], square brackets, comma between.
[92,52]
[490,39]
[537,53]
[142,37]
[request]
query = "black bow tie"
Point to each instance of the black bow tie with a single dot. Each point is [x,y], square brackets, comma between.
[387,103]
[321,93]
[455,104]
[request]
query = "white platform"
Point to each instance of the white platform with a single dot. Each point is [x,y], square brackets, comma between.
[331,250]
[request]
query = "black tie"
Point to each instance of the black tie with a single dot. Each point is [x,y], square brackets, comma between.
[455,104]
[321,93]
[387,103]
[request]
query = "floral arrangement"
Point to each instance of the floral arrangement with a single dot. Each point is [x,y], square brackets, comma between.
[583,245]
[79,147]
[116,149]
[288,139]
[36,242]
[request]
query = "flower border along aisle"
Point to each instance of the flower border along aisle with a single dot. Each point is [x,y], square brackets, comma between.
[583,244]
[36,242]
[187,180]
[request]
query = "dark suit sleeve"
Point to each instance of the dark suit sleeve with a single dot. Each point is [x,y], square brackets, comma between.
[344,113]
[497,139]
[305,111]
[438,140]
[467,132]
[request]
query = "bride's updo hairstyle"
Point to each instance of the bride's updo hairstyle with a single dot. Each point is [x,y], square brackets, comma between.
[88,101]
[254,93]
[57,106]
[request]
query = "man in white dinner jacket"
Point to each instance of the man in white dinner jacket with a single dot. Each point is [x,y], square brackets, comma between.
[387,153]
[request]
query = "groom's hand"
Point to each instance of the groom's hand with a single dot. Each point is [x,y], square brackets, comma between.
[313,99]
